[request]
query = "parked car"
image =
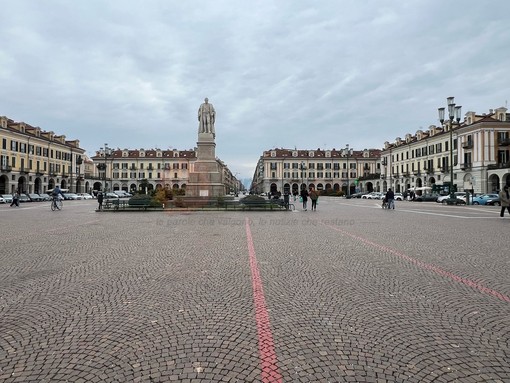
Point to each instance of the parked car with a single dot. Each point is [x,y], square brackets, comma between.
[7,198]
[111,195]
[71,196]
[482,199]
[24,198]
[123,194]
[426,197]
[85,196]
[2,200]
[35,197]
[399,197]
[45,197]
[460,196]
[356,195]
[493,201]
[372,195]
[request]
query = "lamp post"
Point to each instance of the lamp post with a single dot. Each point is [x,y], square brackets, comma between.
[106,151]
[348,188]
[261,178]
[303,168]
[453,113]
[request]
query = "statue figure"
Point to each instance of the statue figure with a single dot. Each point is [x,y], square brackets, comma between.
[206,117]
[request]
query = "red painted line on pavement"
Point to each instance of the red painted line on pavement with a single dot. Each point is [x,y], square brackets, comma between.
[268,360]
[427,266]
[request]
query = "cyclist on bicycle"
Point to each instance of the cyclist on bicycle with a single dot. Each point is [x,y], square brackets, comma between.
[55,193]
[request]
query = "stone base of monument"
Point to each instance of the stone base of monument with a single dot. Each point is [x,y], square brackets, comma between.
[201,202]
[205,179]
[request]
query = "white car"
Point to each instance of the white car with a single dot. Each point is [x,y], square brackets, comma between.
[111,195]
[2,200]
[123,194]
[399,197]
[373,195]
[85,196]
[7,198]
[459,195]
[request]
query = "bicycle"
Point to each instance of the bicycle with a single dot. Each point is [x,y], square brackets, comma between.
[56,204]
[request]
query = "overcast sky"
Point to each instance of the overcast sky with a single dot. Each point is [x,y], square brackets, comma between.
[305,74]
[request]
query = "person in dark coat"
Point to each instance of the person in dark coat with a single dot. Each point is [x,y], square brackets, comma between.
[100,200]
[390,199]
[314,197]
[304,197]
[504,199]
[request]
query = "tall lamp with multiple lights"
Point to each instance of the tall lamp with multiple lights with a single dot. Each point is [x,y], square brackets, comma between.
[348,186]
[454,112]
[303,168]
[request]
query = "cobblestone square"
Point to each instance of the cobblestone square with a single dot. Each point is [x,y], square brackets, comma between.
[347,293]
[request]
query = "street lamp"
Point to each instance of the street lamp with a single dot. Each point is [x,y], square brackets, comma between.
[106,152]
[303,168]
[454,112]
[348,188]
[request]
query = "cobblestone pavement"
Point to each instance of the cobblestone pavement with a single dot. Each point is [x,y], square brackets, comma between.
[347,293]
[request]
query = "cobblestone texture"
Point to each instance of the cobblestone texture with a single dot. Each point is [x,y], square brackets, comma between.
[354,294]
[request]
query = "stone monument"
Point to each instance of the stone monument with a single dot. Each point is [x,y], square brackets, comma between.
[205,178]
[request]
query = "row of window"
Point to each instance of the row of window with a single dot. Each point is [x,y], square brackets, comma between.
[317,166]
[442,163]
[329,175]
[139,175]
[22,147]
[40,166]
[159,166]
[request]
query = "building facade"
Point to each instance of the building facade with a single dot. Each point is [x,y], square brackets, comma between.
[134,170]
[481,155]
[290,170]
[34,161]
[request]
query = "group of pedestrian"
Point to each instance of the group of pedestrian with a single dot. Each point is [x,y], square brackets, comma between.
[314,196]
[389,200]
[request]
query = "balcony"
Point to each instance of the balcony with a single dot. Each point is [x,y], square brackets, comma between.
[504,165]
[429,171]
[65,175]
[467,145]
[370,176]
[416,172]
[6,168]
[444,169]
[466,166]
[24,171]
[39,172]
[503,141]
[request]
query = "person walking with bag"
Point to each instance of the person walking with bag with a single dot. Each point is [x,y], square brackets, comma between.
[304,197]
[314,197]
[504,199]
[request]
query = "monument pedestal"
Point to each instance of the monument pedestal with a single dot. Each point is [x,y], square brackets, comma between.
[205,178]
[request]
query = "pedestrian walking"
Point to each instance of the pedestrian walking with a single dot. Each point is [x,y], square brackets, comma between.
[15,199]
[504,199]
[100,200]
[286,197]
[314,197]
[304,198]
[390,199]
